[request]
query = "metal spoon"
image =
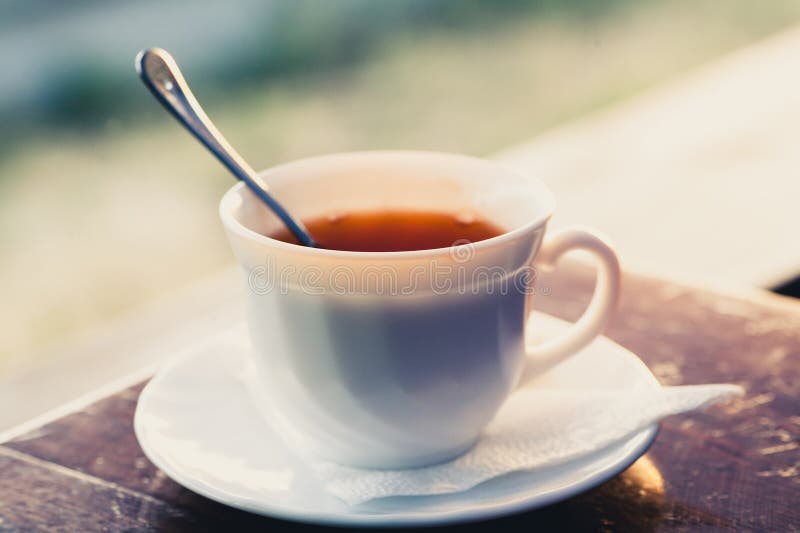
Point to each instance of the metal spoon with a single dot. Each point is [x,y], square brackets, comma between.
[160,73]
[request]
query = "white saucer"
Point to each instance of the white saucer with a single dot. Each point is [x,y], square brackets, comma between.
[195,421]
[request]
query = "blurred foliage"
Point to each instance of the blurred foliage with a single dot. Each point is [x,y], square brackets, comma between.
[82,93]
[293,37]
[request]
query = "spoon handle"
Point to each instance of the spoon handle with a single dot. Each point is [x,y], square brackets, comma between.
[160,73]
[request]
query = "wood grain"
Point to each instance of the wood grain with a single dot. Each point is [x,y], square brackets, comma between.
[730,468]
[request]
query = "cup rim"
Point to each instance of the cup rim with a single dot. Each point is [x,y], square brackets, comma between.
[232,224]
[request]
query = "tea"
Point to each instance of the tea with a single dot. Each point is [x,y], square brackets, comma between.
[394,231]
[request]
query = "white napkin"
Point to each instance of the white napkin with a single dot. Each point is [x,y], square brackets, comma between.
[565,425]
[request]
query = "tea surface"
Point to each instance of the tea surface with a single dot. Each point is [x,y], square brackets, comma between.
[393,231]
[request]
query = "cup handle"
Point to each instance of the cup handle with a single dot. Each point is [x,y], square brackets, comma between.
[604,300]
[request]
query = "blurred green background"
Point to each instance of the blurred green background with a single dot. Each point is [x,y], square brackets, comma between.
[106,205]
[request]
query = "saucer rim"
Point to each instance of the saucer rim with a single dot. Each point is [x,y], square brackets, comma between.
[643,440]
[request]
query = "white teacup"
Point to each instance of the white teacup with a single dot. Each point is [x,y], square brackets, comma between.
[399,359]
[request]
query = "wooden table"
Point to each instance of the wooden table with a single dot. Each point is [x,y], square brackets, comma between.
[733,467]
